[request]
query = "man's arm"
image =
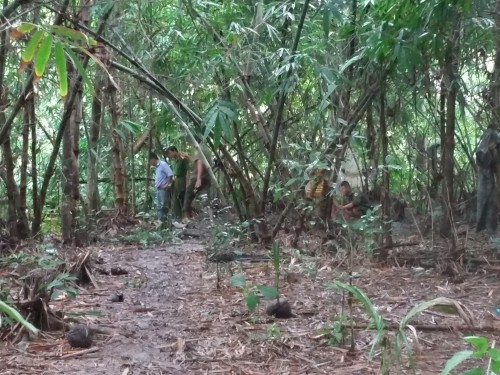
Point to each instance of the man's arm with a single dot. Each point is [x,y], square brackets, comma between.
[169,175]
[199,173]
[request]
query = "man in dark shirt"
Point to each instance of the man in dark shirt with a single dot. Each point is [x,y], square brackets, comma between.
[352,206]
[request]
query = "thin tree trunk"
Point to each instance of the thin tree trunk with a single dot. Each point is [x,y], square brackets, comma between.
[385,200]
[93,199]
[119,172]
[23,185]
[448,143]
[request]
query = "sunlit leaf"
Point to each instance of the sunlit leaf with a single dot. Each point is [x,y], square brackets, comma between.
[21,30]
[479,343]
[31,48]
[61,69]
[43,56]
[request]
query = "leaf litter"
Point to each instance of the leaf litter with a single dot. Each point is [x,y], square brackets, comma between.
[174,320]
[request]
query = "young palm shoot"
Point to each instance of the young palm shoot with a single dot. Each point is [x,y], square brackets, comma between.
[280,308]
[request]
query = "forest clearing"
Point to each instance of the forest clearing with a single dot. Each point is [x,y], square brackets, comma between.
[252,187]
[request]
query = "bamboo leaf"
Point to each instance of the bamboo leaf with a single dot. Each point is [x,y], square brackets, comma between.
[21,30]
[31,48]
[16,316]
[43,56]
[80,69]
[451,306]
[61,70]
[73,35]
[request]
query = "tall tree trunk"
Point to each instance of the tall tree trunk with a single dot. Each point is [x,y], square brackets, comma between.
[495,79]
[71,149]
[117,154]
[23,184]
[448,142]
[385,200]
[70,172]
[37,208]
[93,199]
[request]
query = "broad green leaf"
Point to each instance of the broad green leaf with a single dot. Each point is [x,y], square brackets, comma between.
[16,316]
[479,343]
[238,281]
[268,291]
[31,48]
[495,366]
[494,354]
[61,69]
[456,360]
[252,301]
[43,56]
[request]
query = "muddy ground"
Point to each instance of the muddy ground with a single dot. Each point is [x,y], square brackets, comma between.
[174,320]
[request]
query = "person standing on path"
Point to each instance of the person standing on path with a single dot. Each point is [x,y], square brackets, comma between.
[163,181]
[180,165]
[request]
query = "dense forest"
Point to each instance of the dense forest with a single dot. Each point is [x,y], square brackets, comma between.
[279,102]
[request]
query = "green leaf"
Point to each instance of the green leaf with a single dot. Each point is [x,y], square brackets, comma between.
[480,344]
[238,281]
[276,253]
[456,360]
[31,48]
[73,35]
[268,291]
[25,28]
[495,366]
[451,306]
[474,371]
[80,69]
[252,300]
[61,69]
[368,305]
[133,127]
[14,315]
[217,132]
[494,354]
[210,121]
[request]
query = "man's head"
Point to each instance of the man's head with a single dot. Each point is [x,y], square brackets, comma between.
[172,152]
[345,188]
[153,159]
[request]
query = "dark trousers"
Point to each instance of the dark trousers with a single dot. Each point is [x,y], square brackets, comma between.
[191,193]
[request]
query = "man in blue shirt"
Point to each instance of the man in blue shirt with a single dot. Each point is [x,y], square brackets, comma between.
[163,181]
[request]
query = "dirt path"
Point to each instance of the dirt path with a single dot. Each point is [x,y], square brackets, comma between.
[175,321]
